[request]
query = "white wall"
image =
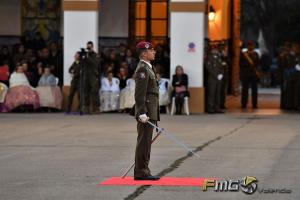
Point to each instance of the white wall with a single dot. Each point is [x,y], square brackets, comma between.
[77,32]
[10,17]
[113,18]
[187,27]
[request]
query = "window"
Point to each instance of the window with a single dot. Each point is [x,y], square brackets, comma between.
[148,20]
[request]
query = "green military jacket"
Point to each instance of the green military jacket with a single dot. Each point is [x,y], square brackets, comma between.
[146,92]
[214,67]
[91,65]
[76,68]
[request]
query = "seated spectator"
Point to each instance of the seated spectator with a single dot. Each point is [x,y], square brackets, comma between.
[4,73]
[180,85]
[20,53]
[30,76]
[6,58]
[3,92]
[20,93]
[47,79]
[127,95]
[50,95]
[109,93]
[131,61]
[122,77]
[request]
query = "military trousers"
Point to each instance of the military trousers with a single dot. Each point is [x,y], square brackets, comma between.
[214,95]
[143,149]
[249,82]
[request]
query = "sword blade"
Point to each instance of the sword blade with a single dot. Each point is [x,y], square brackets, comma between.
[174,139]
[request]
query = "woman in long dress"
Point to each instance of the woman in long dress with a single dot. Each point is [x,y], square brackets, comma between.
[49,93]
[109,93]
[127,95]
[20,93]
[3,92]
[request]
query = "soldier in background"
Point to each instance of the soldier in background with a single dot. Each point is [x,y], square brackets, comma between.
[224,86]
[287,63]
[297,79]
[249,74]
[75,82]
[215,72]
[91,80]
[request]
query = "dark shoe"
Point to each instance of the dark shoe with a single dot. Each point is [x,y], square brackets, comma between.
[254,107]
[149,178]
[211,112]
[243,107]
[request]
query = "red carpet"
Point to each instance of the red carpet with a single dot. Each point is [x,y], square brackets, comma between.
[164,181]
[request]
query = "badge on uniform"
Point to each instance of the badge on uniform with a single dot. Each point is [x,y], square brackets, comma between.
[142,75]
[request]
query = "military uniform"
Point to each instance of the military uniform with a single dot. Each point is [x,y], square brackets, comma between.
[214,68]
[225,80]
[248,73]
[280,75]
[297,85]
[75,83]
[91,82]
[146,102]
[289,80]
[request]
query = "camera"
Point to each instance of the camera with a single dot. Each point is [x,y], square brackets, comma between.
[83,53]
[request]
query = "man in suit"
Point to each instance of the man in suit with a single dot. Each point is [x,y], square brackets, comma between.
[146,108]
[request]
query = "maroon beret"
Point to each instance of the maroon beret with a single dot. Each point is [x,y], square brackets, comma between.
[144,45]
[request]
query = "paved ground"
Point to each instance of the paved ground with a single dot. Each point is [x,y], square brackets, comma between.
[59,157]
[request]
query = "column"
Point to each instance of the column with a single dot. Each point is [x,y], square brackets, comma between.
[187,46]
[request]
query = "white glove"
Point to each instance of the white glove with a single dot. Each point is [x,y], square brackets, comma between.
[144,118]
[297,67]
[220,77]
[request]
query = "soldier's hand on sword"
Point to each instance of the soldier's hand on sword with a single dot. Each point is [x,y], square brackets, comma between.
[143,118]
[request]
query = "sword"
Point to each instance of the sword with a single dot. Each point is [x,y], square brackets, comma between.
[170,136]
[132,165]
[174,139]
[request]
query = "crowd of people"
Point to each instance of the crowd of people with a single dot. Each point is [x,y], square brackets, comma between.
[31,76]
[256,69]
[114,83]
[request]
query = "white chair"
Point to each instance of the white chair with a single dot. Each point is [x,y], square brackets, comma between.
[186,109]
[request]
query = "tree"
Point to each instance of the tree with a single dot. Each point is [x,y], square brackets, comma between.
[277,19]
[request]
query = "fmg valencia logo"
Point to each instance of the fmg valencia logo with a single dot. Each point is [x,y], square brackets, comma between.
[248,185]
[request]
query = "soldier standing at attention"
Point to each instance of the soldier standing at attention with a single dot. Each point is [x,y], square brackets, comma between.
[215,71]
[248,73]
[146,108]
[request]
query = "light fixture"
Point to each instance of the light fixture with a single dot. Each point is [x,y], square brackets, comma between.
[211,14]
